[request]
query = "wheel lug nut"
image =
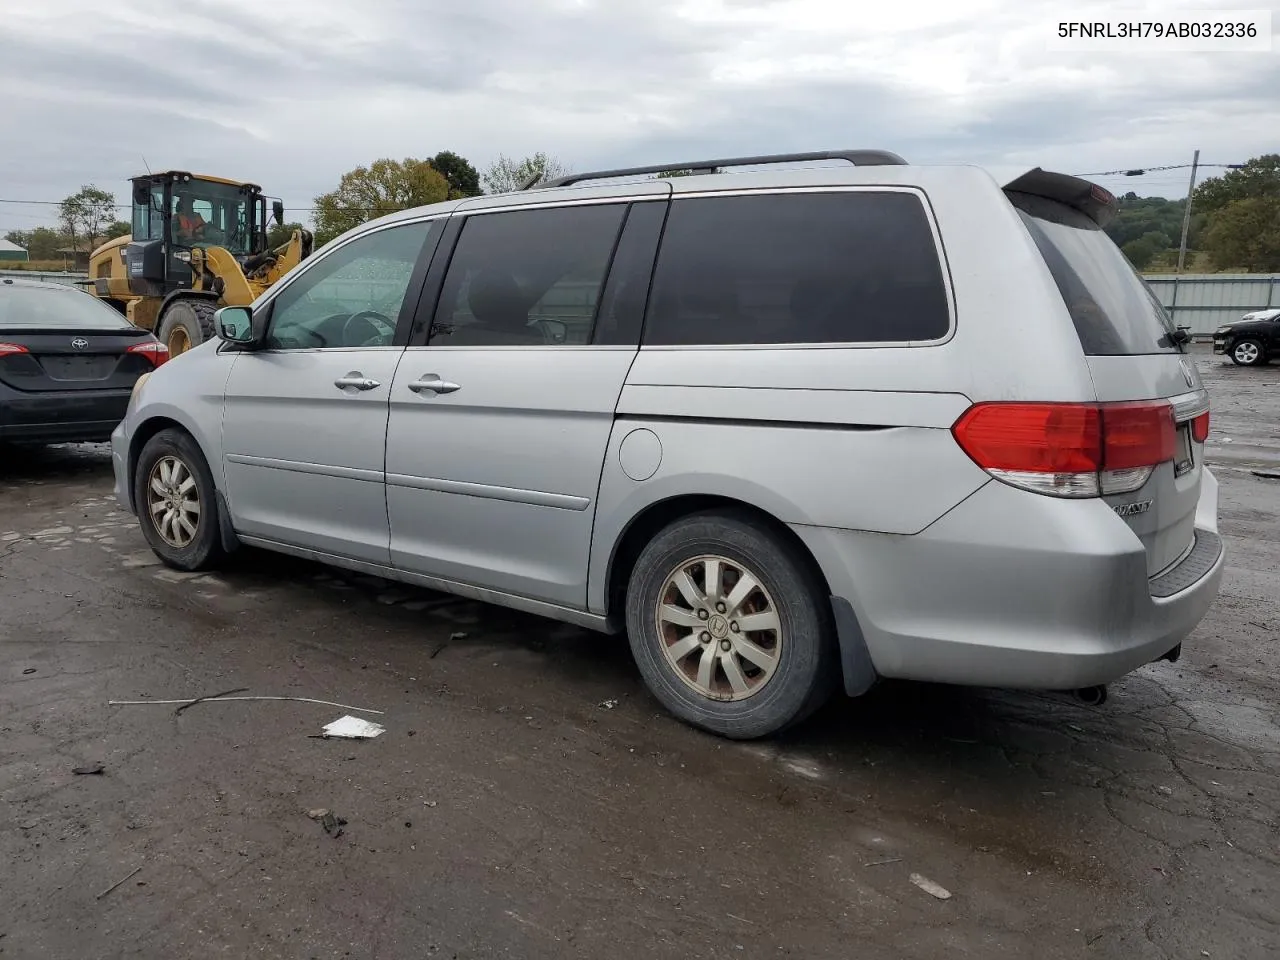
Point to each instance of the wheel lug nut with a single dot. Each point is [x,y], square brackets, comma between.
[720,608]
[706,637]
[734,626]
[725,645]
[703,614]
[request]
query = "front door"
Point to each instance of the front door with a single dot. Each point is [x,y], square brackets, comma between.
[499,425]
[305,419]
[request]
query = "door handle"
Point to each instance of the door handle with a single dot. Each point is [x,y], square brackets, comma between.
[431,383]
[357,380]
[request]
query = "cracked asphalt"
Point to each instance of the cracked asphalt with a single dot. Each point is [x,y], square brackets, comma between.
[529,800]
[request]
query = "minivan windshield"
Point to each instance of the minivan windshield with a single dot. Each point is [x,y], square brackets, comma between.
[1114,311]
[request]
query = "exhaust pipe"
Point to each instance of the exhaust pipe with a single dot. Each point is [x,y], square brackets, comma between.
[1094,696]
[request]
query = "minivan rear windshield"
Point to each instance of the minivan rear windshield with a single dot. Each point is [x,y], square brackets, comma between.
[1114,311]
[67,309]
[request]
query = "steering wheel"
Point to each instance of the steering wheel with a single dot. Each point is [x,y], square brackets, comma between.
[377,328]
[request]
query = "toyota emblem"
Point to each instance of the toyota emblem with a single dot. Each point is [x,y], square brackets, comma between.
[79,343]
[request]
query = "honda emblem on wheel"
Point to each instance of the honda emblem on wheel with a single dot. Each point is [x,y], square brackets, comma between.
[79,343]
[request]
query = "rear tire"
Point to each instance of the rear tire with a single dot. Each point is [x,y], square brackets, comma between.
[745,662]
[1248,353]
[177,505]
[186,324]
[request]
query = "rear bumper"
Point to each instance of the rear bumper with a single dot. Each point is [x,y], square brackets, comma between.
[1011,589]
[61,417]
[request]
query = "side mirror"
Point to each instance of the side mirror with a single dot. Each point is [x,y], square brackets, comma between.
[235,325]
[277,211]
[142,195]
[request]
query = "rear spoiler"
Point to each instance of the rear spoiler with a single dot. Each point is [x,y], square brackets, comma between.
[1095,202]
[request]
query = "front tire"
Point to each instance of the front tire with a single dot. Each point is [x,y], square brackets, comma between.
[1248,353]
[186,324]
[730,627]
[177,507]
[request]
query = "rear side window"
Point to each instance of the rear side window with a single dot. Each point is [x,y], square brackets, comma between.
[69,309]
[849,267]
[527,277]
[1114,311]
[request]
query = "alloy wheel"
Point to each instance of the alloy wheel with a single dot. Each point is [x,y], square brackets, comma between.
[719,628]
[173,502]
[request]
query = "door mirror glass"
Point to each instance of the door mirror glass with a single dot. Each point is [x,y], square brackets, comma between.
[277,211]
[235,325]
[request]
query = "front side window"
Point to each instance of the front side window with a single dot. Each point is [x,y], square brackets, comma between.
[528,277]
[351,298]
[846,267]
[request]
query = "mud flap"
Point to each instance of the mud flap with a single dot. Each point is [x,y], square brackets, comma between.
[855,662]
[230,542]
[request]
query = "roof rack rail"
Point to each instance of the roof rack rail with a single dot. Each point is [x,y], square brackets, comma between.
[859,158]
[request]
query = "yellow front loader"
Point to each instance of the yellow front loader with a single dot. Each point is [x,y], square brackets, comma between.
[198,243]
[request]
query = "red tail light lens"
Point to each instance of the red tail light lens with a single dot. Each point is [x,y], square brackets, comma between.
[1069,449]
[6,349]
[1036,437]
[1200,428]
[1138,434]
[153,350]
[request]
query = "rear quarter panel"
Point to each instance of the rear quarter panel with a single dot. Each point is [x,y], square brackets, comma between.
[895,478]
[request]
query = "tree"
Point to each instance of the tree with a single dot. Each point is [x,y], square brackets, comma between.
[1140,252]
[1260,177]
[117,229]
[385,186]
[506,174]
[42,243]
[85,215]
[1243,211]
[21,237]
[1245,235]
[464,179]
[280,234]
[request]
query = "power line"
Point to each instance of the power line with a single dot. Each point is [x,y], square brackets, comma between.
[1142,171]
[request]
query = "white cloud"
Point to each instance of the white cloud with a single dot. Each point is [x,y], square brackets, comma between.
[293,94]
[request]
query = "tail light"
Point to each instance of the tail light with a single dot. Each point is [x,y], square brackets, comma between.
[1200,428]
[153,350]
[1069,449]
[7,349]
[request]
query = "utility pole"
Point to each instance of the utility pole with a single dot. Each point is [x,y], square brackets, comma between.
[1186,214]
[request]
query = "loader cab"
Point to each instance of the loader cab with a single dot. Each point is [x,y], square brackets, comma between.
[175,212]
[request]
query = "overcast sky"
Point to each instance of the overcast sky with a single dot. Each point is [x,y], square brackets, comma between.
[292,93]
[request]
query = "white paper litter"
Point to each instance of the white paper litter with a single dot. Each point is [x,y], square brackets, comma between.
[353,728]
[929,887]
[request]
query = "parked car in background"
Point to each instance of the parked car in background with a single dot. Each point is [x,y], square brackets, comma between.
[68,363]
[787,429]
[1251,341]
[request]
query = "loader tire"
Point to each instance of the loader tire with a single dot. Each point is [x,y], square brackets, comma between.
[186,324]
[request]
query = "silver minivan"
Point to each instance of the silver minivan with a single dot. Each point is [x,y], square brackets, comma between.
[789,429]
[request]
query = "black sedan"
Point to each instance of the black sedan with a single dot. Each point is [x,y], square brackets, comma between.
[1252,340]
[68,363]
